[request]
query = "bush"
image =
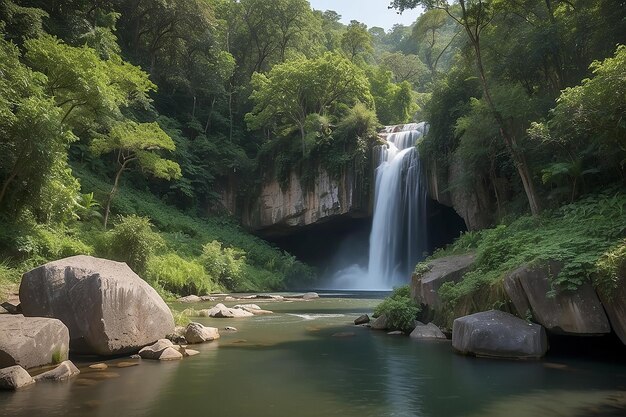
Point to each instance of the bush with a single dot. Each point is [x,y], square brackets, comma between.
[580,235]
[223,265]
[133,241]
[399,309]
[177,275]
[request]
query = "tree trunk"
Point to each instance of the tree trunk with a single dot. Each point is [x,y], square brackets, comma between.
[107,210]
[518,158]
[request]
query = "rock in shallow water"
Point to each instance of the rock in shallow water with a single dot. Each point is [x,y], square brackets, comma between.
[427,331]
[498,334]
[14,377]
[170,354]
[220,311]
[107,308]
[362,319]
[64,371]
[380,323]
[32,341]
[197,333]
[154,351]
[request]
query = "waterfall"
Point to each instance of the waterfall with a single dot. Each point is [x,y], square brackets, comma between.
[399,234]
[399,230]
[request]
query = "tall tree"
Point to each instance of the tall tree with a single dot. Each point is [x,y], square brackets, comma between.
[474,16]
[140,143]
[356,41]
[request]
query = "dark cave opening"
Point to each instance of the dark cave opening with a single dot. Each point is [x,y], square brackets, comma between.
[343,241]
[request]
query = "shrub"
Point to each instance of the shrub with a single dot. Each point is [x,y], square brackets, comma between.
[223,265]
[399,309]
[133,241]
[178,275]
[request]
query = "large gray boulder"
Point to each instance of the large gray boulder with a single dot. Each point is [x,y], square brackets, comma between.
[154,351]
[107,308]
[32,341]
[220,311]
[14,377]
[425,286]
[567,312]
[498,334]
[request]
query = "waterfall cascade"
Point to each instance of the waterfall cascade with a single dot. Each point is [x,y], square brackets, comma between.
[399,231]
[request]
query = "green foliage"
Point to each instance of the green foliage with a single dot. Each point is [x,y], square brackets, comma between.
[180,318]
[133,241]
[580,235]
[356,42]
[223,265]
[179,276]
[611,270]
[399,309]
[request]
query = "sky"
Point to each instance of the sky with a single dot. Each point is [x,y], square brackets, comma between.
[370,12]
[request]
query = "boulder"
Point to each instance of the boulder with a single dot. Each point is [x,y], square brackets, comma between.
[32,341]
[248,306]
[154,351]
[64,371]
[380,323]
[230,329]
[220,311]
[362,319]
[615,305]
[568,312]
[425,286]
[427,331]
[207,298]
[99,366]
[197,333]
[14,377]
[190,299]
[170,354]
[498,334]
[107,308]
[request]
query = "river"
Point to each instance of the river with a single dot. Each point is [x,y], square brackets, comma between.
[309,360]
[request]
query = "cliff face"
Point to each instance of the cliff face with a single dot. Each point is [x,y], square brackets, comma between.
[280,210]
[470,199]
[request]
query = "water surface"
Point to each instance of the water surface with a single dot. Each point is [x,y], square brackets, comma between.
[308,360]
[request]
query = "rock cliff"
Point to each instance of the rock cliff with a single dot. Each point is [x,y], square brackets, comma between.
[279,210]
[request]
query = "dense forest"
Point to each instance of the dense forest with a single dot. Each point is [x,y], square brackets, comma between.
[121,123]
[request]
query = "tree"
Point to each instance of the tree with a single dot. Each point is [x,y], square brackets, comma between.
[474,16]
[356,41]
[33,139]
[432,38]
[295,89]
[404,67]
[91,91]
[136,142]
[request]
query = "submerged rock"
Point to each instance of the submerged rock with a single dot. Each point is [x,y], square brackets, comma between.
[14,377]
[64,371]
[568,312]
[197,333]
[32,341]
[427,331]
[362,319]
[107,308]
[498,334]
[310,296]
[99,366]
